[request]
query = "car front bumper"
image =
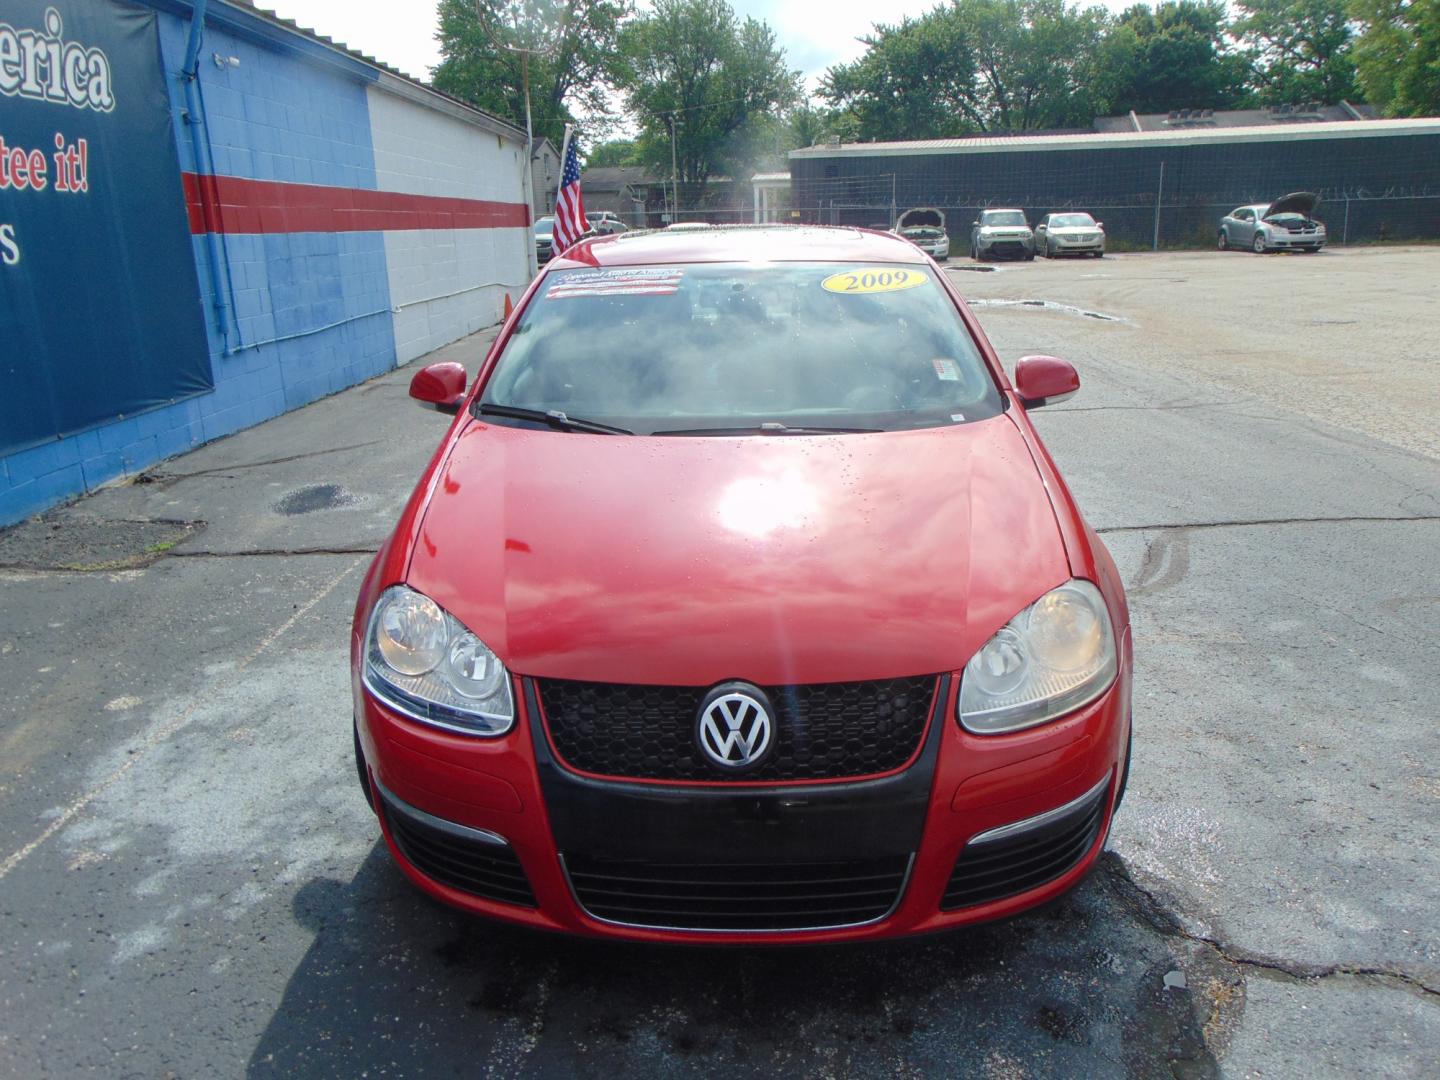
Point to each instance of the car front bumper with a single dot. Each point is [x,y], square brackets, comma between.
[1066,245]
[1287,241]
[974,828]
[1005,245]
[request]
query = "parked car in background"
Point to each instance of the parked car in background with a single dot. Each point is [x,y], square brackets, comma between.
[1283,225]
[997,233]
[605,223]
[928,239]
[544,239]
[1069,234]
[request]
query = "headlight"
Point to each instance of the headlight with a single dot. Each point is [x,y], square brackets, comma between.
[1055,656]
[421,661]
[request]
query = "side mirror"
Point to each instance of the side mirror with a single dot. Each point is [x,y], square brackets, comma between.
[1099,224]
[975,222]
[440,387]
[1044,380]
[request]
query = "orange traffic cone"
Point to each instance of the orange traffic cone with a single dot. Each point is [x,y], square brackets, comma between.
[509,307]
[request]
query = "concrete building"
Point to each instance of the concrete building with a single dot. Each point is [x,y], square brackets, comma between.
[220,227]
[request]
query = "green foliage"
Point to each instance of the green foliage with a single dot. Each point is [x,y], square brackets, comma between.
[615,153]
[1299,50]
[721,82]
[1397,58]
[568,79]
[1172,56]
[977,65]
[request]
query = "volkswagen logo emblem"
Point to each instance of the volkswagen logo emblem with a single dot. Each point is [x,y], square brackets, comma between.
[736,727]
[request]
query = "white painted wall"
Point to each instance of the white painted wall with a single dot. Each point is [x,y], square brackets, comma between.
[446,283]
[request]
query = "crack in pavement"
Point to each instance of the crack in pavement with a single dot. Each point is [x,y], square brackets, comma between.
[1361,519]
[250,553]
[1147,408]
[1149,908]
[165,479]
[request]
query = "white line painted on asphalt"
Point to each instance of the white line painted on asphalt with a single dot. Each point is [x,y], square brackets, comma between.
[163,733]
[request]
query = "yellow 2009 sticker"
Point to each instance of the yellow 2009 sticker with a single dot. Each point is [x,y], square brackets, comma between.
[870,280]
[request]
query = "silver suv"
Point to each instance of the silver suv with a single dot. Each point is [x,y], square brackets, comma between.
[1001,232]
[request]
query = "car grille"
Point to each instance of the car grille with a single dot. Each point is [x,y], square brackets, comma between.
[738,896]
[1015,864]
[450,856]
[823,731]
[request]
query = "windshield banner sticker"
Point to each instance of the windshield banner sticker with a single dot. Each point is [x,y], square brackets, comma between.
[630,282]
[870,280]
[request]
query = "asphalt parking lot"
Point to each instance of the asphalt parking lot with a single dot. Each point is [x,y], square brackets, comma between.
[190,884]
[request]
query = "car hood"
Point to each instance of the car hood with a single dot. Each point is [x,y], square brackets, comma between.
[1083,230]
[777,559]
[1297,202]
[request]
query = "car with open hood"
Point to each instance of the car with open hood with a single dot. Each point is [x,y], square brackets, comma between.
[742,601]
[999,233]
[1287,224]
[929,239]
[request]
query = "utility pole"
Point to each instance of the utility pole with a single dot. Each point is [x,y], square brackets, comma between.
[519,32]
[531,264]
[674,176]
[1159,194]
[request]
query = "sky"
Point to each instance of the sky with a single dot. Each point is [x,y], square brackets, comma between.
[814,33]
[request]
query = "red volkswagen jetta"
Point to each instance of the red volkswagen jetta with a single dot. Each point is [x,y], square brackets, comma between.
[742,601]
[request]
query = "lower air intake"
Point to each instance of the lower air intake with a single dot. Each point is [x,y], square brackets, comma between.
[1025,860]
[738,896]
[455,856]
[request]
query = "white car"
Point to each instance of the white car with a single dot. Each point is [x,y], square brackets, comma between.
[1069,234]
[1283,225]
[928,239]
[605,222]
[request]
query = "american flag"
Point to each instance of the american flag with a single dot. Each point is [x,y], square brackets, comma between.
[570,221]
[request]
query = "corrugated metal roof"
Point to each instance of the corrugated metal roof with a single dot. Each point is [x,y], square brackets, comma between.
[1349,129]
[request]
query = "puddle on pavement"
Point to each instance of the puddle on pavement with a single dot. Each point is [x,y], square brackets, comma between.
[1050,305]
[307,500]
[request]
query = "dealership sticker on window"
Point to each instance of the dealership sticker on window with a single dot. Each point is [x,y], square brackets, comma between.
[869,280]
[946,370]
[659,281]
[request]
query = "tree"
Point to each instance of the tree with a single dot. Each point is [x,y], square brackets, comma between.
[977,65]
[1174,56]
[1397,57]
[616,152]
[1299,49]
[692,62]
[568,79]
[916,80]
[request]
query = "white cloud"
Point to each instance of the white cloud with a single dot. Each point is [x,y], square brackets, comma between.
[401,35]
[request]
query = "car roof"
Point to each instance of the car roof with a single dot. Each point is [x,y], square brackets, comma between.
[1002,210]
[740,243]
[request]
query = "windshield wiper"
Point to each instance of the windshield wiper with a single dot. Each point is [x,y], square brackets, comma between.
[772,428]
[554,417]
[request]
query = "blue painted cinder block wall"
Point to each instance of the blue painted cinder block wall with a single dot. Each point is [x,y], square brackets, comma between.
[311,311]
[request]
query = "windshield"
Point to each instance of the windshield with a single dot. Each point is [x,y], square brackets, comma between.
[1002,217]
[1072,221]
[544,226]
[719,347]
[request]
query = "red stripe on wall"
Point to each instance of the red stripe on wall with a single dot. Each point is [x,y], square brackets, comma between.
[230,204]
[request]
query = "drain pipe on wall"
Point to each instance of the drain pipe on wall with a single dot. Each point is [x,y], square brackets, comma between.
[195,121]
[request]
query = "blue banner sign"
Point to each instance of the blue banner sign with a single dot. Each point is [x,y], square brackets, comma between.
[100,311]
